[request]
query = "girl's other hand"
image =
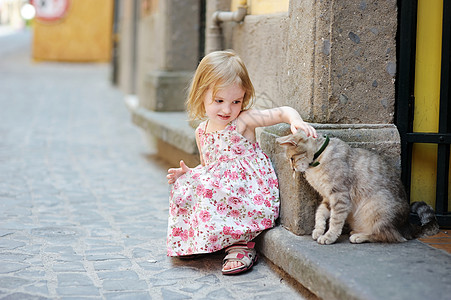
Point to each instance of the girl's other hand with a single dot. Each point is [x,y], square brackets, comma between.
[306,127]
[175,173]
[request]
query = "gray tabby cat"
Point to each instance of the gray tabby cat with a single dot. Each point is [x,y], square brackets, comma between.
[358,187]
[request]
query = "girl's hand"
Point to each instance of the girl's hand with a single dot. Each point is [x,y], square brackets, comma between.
[175,173]
[307,128]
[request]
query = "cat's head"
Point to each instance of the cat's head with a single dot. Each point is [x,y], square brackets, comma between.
[299,149]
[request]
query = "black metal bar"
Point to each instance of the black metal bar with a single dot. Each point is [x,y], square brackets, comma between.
[406,41]
[441,199]
[441,202]
[202,25]
[428,138]
[444,220]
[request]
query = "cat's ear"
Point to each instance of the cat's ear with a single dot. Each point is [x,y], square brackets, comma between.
[287,140]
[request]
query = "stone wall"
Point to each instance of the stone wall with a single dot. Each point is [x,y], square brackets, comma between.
[334,61]
[167,54]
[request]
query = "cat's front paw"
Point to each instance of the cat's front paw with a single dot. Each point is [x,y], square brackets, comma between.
[326,239]
[317,233]
[358,238]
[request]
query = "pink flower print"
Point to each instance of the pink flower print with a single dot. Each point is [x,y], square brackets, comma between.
[208,194]
[263,172]
[183,211]
[223,158]
[200,189]
[235,213]
[189,251]
[184,235]
[254,225]
[214,248]
[251,213]
[196,206]
[260,182]
[227,230]
[196,175]
[241,190]
[217,184]
[275,210]
[243,175]
[204,216]
[179,200]
[234,201]
[191,232]
[213,239]
[267,203]
[267,223]
[173,209]
[258,199]
[238,149]
[272,183]
[235,139]
[195,221]
[237,234]
[176,231]
[266,191]
[221,208]
[227,173]
[234,176]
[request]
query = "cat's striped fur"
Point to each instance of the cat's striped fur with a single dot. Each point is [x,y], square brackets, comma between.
[358,187]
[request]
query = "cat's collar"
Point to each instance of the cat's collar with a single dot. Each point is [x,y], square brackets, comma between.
[318,153]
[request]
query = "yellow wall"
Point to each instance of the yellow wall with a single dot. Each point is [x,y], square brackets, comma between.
[84,34]
[427,98]
[260,7]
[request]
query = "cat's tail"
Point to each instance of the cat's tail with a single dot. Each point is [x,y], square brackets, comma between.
[429,224]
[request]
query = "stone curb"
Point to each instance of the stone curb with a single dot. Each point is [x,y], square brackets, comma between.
[171,127]
[410,270]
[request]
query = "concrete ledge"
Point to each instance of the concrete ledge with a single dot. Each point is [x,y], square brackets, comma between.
[298,199]
[410,270]
[175,138]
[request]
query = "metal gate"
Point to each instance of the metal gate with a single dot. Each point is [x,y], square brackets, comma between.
[406,102]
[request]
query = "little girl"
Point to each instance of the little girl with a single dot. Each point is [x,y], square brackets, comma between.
[233,195]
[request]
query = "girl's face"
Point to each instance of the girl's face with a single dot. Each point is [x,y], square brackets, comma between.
[225,106]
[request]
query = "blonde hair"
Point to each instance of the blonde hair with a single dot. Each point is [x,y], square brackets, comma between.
[218,70]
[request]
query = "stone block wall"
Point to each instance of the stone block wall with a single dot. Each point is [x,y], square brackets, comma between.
[334,61]
[167,54]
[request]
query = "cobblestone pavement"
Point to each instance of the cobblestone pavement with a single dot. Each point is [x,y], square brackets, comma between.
[84,202]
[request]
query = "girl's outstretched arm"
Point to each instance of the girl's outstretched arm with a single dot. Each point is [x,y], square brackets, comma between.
[254,118]
[175,173]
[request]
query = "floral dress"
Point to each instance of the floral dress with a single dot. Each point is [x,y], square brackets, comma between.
[232,198]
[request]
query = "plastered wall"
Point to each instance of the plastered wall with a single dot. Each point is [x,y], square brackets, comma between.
[83,34]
